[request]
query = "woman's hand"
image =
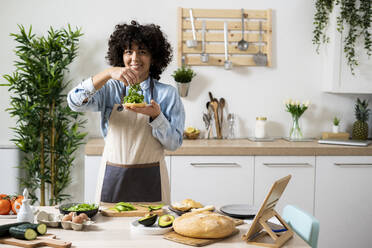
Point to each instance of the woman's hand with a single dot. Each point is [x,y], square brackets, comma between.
[125,74]
[153,110]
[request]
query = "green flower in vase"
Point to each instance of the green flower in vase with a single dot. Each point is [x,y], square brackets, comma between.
[296,109]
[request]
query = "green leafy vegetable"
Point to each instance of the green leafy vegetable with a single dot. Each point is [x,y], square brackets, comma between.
[82,207]
[133,95]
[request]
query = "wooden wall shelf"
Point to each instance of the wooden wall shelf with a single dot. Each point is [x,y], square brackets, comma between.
[214,38]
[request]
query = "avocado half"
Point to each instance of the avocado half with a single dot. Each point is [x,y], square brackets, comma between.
[165,220]
[148,220]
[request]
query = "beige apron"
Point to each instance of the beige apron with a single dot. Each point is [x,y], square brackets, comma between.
[133,168]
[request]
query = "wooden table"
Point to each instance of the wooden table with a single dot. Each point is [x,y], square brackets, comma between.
[114,232]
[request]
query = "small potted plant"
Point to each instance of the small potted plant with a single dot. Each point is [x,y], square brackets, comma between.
[336,125]
[183,77]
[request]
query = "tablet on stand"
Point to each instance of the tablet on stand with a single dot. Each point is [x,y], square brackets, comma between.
[260,226]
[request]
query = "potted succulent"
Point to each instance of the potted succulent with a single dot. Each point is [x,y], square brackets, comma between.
[183,77]
[336,125]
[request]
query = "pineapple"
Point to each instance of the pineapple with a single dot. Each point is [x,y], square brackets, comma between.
[360,127]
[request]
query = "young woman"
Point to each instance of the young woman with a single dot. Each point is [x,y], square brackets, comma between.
[133,167]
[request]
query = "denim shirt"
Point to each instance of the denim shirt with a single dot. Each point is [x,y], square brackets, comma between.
[167,127]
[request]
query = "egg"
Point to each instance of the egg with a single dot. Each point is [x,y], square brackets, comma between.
[67,217]
[72,214]
[84,216]
[78,219]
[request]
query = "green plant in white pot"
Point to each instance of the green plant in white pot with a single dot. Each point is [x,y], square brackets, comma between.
[336,125]
[183,77]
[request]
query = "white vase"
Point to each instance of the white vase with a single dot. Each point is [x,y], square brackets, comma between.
[335,129]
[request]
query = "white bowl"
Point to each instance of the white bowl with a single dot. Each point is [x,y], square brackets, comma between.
[150,230]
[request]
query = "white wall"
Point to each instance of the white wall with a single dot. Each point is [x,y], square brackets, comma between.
[249,91]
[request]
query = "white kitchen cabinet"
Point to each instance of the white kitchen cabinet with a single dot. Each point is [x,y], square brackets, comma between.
[343,202]
[91,169]
[215,180]
[336,76]
[300,189]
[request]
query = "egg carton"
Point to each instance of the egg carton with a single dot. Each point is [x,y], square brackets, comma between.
[69,225]
[49,219]
[55,220]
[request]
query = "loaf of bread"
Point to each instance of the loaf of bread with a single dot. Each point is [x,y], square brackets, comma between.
[204,225]
[191,203]
[186,205]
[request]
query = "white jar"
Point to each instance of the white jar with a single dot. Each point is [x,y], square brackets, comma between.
[259,131]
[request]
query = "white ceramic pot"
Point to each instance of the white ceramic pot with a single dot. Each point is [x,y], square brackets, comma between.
[335,129]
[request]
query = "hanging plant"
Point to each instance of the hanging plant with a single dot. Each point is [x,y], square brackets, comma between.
[47,129]
[354,19]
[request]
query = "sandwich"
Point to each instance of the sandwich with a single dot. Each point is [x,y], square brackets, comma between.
[134,98]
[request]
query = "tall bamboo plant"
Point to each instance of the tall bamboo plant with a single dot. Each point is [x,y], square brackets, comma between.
[47,130]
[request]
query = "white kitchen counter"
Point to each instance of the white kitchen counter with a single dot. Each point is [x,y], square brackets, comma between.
[112,232]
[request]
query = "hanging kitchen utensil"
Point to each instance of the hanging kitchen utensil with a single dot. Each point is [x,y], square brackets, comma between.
[260,58]
[242,44]
[228,63]
[192,43]
[204,57]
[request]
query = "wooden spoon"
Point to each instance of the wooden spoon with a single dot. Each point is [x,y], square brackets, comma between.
[215,110]
[210,96]
[222,105]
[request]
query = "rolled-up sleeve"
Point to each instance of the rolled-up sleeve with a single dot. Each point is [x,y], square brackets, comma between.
[82,97]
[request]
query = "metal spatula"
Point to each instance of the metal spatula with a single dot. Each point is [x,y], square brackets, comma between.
[260,58]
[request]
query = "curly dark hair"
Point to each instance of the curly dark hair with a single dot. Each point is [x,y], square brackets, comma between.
[149,37]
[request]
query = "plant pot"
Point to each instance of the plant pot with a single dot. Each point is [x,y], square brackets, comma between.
[183,89]
[335,129]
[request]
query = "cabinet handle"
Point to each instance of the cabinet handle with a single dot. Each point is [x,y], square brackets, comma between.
[215,164]
[353,164]
[287,164]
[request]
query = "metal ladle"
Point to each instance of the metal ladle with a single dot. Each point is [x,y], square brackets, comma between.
[204,57]
[227,63]
[192,43]
[242,44]
[260,58]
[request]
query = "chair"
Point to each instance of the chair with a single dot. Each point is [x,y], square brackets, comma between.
[304,224]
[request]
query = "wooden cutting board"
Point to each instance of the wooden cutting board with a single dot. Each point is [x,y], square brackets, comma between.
[140,211]
[173,236]
[45,240]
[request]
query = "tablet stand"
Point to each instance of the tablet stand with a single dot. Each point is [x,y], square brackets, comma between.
[260,228]
[279,239]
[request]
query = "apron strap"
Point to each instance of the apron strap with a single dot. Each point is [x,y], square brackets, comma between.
[151,90]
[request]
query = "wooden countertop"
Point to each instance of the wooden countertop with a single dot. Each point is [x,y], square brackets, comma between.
[279,147]
[115,232]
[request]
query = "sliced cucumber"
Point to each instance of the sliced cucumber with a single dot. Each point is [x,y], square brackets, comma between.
[22,233]
[4,229]
[41,229]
